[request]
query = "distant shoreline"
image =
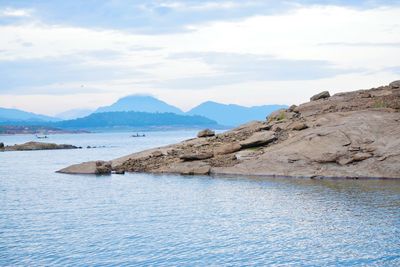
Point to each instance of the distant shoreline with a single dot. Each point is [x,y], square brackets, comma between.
[112,130]
[35,130]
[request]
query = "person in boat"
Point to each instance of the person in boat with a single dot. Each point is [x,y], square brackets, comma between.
[139,135]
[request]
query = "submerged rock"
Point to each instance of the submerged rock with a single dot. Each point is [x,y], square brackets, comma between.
[38,146]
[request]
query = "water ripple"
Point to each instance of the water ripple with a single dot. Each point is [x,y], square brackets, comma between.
[50,219]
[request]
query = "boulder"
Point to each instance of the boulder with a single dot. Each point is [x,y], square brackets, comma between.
[227,149]
[322,95]
[205,133]
[395,84]
[195,156]
[298,126]
[292,108]
[258,139]
[1,145]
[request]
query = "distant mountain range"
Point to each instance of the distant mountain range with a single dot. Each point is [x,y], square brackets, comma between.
[74,114]
[142,110]
[136,119]
[233,115]
[223,114]
[10,114]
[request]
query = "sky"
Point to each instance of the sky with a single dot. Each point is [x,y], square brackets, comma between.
[58,55]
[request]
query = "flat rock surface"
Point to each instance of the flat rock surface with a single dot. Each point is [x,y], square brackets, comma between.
[348,135]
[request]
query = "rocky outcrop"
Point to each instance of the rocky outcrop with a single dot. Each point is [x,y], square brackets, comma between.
[36,146]
[258,139]
[322,95]
[348,135]
[395,84]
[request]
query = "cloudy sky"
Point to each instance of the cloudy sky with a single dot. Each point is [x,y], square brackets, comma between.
[57,55]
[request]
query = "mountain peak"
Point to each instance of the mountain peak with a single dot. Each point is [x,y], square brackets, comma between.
[141,103]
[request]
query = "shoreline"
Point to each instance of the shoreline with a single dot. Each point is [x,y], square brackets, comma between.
[242,176]
[351,135]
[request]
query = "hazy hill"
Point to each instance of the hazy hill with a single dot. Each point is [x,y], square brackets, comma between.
[143,111]
[233,115]
[229,115]
[74,114]
[135,119]
[140,103]
[9,114]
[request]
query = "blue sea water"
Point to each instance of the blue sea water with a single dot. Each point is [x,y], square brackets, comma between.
[52,219]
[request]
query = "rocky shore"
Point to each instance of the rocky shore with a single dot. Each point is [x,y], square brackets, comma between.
[347,135]
[35,146]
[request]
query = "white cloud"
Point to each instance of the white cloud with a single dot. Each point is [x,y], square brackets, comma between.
[11,12]
[294,36]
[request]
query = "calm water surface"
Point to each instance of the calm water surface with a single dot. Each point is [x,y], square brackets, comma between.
[51,219]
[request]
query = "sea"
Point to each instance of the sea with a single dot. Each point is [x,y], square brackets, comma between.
[136,219]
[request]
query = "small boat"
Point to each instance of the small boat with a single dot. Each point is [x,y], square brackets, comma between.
[138,135]
[41,137]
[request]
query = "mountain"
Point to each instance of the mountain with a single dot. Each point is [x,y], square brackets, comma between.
[233,115]
[131,107]
[135,119]
[74,114]
[9,114]
[140,103]
[228,115]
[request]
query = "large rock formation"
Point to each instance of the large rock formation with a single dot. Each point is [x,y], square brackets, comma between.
[349,135]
